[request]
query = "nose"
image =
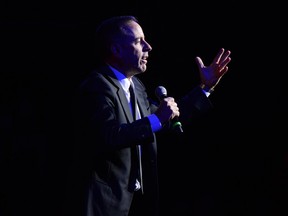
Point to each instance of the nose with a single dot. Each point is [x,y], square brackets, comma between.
[147,46]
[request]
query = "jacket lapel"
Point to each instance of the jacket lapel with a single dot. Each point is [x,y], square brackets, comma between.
[141,98]
[119,92]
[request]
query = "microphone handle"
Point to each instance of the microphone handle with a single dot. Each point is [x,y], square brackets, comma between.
[176,125]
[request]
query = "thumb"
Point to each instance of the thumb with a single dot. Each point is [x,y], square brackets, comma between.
[199,62]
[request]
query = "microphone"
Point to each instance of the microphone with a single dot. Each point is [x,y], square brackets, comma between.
[161,93]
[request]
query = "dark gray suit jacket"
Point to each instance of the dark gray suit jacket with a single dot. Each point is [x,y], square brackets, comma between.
[108,133]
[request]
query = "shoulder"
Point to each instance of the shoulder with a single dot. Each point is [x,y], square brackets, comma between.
[138,84]
[98,80]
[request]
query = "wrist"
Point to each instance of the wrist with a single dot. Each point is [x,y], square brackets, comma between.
[207,88]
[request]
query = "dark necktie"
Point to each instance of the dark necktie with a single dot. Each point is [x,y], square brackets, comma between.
[133,101]
[138,147]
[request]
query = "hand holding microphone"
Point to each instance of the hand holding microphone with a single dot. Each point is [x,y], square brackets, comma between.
[168,109]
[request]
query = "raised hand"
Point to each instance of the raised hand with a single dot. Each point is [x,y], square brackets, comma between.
[211,75]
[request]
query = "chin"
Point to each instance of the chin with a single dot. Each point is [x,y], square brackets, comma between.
[143,68]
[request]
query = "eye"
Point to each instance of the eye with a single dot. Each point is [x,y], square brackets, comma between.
[138,41]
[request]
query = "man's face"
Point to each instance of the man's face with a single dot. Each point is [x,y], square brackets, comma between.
[133,49]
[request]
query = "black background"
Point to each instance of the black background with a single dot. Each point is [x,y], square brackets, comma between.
[233,162]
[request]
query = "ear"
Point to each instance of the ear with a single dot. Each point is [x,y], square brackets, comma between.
[115,49]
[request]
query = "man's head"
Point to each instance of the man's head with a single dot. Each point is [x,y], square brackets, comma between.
[120,42]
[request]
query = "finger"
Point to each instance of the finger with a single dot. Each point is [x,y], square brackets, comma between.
[225,63]
[224,70]
[218,56]
[225,55]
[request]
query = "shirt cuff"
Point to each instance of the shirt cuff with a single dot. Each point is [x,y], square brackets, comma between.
[155,123]
[206,93]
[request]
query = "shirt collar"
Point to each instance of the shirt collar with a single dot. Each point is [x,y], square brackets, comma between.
[124,81]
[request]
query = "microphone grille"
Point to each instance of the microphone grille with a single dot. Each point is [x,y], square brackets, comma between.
[161,92]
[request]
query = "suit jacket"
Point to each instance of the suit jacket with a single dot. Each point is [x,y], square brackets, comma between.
[108,135]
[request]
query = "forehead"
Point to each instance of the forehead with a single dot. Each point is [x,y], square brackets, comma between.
[133,29]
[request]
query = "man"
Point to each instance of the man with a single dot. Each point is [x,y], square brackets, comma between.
[114,140]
